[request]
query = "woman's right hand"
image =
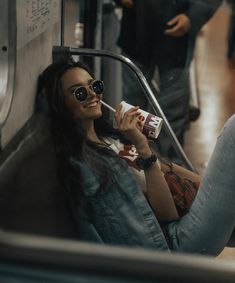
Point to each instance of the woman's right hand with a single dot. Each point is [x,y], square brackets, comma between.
[130,126]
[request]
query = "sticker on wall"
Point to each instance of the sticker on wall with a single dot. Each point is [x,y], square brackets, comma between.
[34,17]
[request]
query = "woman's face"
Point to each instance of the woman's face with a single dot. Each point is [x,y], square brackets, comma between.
[89,109]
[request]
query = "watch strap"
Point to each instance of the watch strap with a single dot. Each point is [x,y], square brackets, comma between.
[146,163]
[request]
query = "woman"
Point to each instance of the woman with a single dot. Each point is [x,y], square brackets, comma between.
[104,187]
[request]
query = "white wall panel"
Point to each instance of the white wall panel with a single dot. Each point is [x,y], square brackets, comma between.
[33,54]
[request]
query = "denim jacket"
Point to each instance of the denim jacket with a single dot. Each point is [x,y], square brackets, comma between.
[121,214]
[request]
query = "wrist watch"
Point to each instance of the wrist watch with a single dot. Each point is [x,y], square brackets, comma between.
[146,163]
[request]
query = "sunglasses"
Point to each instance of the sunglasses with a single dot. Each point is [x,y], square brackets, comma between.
[81,92]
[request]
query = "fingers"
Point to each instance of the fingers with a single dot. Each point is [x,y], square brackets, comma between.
[173,21]
[173,31]
[131,126]
[174,26]
[118,111]
[139,125]
[181,25]
[130,119]
[127,120]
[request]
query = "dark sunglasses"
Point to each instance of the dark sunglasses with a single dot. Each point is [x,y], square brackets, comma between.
[81,93]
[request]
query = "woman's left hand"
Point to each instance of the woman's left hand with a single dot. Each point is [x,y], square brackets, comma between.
[130,126]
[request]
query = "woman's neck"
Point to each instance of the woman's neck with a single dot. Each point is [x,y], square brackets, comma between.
[91,133]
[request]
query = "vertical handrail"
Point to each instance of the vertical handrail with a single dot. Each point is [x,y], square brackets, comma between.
[59,51]
[194,97]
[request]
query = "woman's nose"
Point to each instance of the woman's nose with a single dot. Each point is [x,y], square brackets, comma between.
[91,91]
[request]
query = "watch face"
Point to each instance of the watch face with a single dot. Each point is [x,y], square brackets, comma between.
[146,163]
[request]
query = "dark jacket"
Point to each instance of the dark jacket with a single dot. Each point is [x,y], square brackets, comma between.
[142,30]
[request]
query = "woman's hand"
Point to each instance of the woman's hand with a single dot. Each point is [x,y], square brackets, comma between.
[130,126]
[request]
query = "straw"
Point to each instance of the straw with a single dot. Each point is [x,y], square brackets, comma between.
[108,106]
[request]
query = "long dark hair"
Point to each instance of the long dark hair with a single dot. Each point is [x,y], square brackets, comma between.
[69,136]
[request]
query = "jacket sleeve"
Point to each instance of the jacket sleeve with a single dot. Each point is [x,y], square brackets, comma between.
[200,12]
[88,181]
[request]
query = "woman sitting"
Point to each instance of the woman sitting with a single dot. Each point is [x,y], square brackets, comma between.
[101,168]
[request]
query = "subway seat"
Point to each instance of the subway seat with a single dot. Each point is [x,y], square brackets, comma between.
[31,198]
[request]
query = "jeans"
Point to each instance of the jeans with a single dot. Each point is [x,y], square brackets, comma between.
[209,224]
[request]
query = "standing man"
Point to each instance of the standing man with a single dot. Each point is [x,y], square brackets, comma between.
[231,32]
[161,34]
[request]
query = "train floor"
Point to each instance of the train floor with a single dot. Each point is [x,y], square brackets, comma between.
[216,86]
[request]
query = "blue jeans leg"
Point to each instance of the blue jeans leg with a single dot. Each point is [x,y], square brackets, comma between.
[209,224]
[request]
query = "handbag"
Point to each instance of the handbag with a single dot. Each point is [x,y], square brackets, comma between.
[183,191]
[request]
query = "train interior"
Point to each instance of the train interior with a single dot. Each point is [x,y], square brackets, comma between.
[38,237]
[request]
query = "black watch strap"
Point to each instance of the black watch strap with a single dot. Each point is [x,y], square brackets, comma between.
[146,163]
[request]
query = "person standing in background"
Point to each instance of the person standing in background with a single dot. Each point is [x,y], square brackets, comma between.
[231,32]
[161,34]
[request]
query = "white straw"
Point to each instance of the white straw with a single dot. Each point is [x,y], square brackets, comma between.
[108,106]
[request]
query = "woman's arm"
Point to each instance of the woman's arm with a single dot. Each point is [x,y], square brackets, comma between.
[158,193]
[179,170]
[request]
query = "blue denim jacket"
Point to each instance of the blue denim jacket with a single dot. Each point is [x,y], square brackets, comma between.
[121,214]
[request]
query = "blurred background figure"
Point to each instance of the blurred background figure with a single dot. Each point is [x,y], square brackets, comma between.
[159,36]
[231,32]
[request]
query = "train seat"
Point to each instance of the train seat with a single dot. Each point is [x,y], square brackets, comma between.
[31,198]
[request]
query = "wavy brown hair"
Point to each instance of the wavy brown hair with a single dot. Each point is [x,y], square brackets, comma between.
[69,137]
